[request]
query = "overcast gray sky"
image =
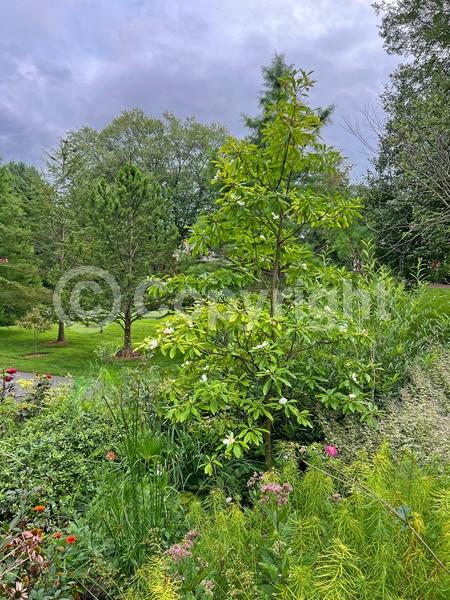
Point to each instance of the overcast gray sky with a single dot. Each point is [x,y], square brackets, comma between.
[67,63]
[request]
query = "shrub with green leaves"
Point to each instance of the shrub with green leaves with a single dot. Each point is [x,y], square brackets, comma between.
[53,458]
[373,529]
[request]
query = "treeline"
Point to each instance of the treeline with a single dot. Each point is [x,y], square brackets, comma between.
[121,199]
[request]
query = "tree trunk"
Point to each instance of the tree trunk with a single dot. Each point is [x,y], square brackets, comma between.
[127,347]
[61,333]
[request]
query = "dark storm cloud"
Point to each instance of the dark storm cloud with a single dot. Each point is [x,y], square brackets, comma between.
[76,62]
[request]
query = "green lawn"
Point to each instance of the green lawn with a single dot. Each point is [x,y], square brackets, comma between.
[439,299]
[76,357]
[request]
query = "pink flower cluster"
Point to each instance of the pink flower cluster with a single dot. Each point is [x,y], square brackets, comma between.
[179,552]
[275,491]
[331,451]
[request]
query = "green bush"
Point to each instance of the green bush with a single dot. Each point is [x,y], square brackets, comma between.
[53,458]
[374,529]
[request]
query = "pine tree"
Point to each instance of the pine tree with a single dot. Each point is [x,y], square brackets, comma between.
[273,92]
[135,236]
[20,286]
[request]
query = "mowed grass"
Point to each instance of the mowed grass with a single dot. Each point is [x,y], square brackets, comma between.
[77,357]
[438,299]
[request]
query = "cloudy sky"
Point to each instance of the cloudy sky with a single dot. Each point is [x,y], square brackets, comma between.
[67,63]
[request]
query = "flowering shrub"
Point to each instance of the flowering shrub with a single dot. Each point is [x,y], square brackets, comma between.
[258,361]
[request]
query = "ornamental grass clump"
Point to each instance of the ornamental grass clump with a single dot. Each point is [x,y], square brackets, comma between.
[371,529]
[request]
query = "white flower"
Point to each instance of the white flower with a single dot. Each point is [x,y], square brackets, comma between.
[229,500]
[327,309]
[168,330]
[260,346]
[229,439]
[352,396]
[262,237]
[204,378]
[241,203]
[304,266]
[282,400]
[186,363]
[353,376]
[275,217]
[153,344]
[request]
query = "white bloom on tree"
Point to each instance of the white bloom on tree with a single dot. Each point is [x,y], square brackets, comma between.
[260,346]
[275,217]
[229,439]
[352,396]
[204,378]
[354,377]
[168,330]
[283,400]
[241,203]
[153,344]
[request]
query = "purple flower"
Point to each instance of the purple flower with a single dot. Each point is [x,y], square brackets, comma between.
[190,537]
[179,552]
[275,491]
[254,479]
[331,451]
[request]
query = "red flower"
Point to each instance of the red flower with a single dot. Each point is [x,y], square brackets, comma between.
[71,539]
[47,376]
[110,455]
[39,508]
[57,535]
[11,371]
[8,378]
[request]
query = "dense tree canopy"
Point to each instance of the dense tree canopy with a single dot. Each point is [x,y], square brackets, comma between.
[409,195]
[176,153]
[19,277]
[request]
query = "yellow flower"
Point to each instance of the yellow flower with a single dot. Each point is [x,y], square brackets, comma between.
[25,384]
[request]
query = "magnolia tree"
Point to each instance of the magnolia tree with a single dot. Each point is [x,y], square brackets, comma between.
[258,357]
